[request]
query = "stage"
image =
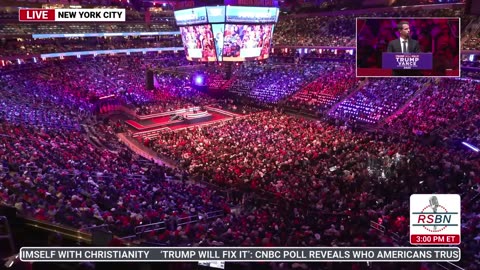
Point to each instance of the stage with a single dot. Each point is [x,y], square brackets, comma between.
[147,125]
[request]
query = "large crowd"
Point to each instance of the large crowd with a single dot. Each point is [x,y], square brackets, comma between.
[315,31]
[377,99]
[60,176]
[24,29]
[318,163]
[441,105]
[272,83]
[471,34]
[337,30]
[472,44]
[23,47]
[336,81]
[53,170]
[173,92]
[331,31]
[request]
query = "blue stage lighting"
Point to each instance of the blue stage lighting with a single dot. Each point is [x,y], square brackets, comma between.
[199,80]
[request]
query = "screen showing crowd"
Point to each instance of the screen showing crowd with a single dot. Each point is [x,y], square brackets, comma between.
[198,43]
[226,42]
[246,42]
[431,39]
[227,33]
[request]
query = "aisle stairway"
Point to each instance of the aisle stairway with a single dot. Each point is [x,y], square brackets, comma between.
[141,150]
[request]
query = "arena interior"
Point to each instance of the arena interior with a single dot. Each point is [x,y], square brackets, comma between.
[147,148]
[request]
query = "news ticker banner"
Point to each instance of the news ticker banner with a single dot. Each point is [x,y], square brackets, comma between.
[72,15]
[240,254]
[407,61]
[435,219]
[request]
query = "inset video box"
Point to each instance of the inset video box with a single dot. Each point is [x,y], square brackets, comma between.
[408,47]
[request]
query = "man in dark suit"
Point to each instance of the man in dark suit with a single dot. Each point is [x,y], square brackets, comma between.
[404,44]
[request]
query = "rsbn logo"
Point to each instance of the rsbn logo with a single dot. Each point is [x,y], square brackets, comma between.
[435,219]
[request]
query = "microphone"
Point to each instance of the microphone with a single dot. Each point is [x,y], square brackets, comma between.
[434,205]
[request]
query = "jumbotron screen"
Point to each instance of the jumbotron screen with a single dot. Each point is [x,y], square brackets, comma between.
[227,33]
[198,42]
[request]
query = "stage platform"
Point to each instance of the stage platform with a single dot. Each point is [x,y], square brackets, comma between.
[147,125]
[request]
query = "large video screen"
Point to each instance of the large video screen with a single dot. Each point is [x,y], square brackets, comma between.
[198,43]
[221,14]
[227,33]
[246,42]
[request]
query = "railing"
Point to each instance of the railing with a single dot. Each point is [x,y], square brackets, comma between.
[92,228]
[162,225]
[67,232]
[158,126]
[150,133]
[140,151]
[215,214]
[377,226]
[150,227]
[210,108]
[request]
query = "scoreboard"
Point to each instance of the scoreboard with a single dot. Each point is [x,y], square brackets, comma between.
[227,33]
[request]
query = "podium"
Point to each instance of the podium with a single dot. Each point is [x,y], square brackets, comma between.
[407,61]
